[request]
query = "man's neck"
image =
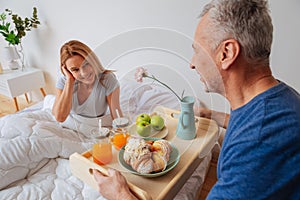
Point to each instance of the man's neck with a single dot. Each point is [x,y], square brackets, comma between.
[246,85]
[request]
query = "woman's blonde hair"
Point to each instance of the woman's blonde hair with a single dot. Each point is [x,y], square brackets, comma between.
[75,47]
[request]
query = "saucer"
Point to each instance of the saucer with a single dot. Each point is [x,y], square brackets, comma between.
[154,133]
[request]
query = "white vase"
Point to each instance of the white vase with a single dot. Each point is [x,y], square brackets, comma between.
[12,56]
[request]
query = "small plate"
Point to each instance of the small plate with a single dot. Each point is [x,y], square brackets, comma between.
[154,133]
[173,161]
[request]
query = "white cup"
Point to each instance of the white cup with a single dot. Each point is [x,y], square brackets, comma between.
[121,122]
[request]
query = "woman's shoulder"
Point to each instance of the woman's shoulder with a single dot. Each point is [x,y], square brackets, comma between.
[108,80]
[107,76]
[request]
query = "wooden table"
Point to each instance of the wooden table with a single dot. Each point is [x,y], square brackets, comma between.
[16,82]
[167,186]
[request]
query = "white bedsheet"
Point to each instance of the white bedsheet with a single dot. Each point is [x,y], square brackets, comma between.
[34,151]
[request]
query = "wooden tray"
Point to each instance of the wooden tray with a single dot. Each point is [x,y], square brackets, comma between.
[166,186]
[82,167]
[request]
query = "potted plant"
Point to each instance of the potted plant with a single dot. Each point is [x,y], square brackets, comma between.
[14,34]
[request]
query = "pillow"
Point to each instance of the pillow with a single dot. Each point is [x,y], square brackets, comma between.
[137,98]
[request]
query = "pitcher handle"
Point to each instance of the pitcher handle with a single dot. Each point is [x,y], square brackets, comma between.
[182,124]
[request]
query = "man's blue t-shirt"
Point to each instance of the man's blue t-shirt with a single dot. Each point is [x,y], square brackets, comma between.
[260,156]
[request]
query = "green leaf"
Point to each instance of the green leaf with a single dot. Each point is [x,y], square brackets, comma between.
[12,38]
[3,17]
[4,34]
[3,28]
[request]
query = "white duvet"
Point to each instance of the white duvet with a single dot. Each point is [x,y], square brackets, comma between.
[34,158]
[34,151]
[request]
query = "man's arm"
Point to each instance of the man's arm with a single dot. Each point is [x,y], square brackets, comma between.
[221,118]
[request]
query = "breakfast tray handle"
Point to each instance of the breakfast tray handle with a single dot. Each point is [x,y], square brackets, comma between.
[82,168]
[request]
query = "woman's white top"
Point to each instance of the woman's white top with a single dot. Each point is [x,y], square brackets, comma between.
[95,105]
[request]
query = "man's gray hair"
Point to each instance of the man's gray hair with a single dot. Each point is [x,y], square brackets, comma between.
[247,21]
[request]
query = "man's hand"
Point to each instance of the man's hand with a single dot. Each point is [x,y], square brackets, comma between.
[113,186]
[221,118]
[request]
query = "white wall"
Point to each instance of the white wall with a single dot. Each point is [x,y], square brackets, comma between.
[286,42]
[126,34]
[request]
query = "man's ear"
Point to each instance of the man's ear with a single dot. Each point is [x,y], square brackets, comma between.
[228,52]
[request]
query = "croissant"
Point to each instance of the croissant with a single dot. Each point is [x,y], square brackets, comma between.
[147,156]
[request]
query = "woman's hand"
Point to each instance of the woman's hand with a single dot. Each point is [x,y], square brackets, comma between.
[221,118]
[113,186]
[68,74]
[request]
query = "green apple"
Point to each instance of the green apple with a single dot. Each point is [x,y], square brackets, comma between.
[143,128]
[157,122]
[143,117]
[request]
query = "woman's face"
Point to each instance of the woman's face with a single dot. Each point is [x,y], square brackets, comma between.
[80,69]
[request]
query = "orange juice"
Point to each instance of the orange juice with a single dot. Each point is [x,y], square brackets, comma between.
[102,153]
[119,140]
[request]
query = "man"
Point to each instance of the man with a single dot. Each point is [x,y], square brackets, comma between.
[260,156]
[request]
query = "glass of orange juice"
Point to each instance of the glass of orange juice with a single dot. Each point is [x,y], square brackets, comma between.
[119,138]
[102,151]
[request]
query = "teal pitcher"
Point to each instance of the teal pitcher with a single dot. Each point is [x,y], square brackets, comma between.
[186,128]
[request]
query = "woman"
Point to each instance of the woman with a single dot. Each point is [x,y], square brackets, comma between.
[85,88]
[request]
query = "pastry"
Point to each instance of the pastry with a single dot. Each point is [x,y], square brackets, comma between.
[147,156]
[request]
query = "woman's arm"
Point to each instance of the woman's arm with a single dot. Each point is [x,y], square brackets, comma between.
[221,118]
[113,100]
[63,101]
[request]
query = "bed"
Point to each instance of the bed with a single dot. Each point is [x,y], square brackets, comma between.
[35,148]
